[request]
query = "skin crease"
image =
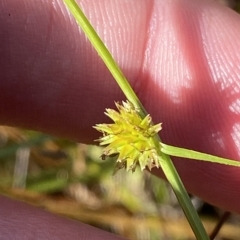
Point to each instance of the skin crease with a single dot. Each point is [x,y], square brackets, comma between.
[181,57]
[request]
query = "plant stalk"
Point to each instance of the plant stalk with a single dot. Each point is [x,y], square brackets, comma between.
[166,163]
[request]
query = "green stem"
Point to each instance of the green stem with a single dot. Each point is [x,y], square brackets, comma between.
[167,165]
[104,54]
[181,194]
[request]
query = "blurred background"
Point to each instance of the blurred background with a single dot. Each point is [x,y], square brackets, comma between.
[70,179]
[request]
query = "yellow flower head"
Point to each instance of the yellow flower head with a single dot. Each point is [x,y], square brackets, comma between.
[130,137]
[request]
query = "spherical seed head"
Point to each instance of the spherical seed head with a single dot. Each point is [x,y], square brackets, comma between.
[130,137]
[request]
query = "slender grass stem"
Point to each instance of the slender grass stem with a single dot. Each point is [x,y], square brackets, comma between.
[166,163]
[104,54]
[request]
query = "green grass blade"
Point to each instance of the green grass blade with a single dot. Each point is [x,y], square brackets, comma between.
[186,153]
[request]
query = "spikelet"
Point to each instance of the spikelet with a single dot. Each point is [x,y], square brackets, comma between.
[130,138]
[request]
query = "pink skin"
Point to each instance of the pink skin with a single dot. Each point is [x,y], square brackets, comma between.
[182,58]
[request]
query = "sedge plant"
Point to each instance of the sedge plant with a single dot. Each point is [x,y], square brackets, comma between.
[134,138]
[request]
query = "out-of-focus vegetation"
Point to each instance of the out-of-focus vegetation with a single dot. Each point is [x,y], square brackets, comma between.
[69,178]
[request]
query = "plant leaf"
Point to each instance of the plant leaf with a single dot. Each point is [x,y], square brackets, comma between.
[190,154]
